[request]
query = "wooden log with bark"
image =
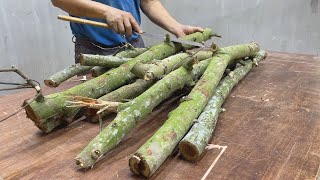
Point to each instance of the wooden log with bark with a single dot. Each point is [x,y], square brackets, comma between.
[196,140]
[110,61]
[52,112]
[135,111]
[103,61]
[158,68]
[149,157]
[98,70]
[61,76]
[75,69]
[122,94]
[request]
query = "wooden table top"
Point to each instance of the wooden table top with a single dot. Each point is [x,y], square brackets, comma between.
[271,128]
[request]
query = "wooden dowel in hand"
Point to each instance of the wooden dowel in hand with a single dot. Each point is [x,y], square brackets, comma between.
[83,21]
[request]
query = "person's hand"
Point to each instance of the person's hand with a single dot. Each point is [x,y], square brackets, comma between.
[183,30]
[122,22]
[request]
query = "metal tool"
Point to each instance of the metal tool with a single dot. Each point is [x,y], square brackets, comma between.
[173,39]
[105,25]
[29,84]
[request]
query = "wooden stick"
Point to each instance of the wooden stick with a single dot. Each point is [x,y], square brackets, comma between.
[83,21]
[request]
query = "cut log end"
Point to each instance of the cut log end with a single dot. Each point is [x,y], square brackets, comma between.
[189,151]
[81,59]
[139,166]
[34,117]
[214,47]
[134,164]
[51,83]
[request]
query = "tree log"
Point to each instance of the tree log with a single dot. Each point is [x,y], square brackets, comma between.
[97,71]
[110,61]
[136,110]
[51,111]
[130,53]
[56,79]
[158,69]
[61,76]
[194,143]
[121,94]
[149,157]
[103,61]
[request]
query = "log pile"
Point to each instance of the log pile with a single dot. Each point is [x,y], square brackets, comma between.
[133,82]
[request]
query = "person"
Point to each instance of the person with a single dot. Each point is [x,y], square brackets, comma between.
[124,18]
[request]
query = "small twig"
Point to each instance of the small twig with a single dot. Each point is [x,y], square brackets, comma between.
[11,115]
[100,122]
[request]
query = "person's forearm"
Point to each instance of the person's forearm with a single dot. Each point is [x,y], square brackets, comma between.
[87,8]
[121,22]
[159,15]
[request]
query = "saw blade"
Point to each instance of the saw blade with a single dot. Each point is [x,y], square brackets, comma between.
[173,39]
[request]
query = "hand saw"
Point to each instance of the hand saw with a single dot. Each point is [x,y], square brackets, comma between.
[105,25]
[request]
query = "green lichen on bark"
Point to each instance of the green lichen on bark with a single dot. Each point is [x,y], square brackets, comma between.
[136,110]
[154,152]
[97,71]
[52,112]
[131,53]
[61,76]
[194,143]
[157,69]
[103,61]
[121,94]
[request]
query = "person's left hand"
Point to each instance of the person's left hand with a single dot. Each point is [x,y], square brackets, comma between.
[183,30]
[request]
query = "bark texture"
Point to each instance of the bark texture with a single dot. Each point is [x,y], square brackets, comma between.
[103,61]
[52,112]
[134,111]
[124,93]
[61,76]
[154,152]
[194,143]
[157,69]
[97,71]
[130,53]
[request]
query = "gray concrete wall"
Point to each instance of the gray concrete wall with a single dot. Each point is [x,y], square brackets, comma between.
[35,41]
[287,25]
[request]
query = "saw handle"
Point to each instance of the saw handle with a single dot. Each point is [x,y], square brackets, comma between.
[84,21]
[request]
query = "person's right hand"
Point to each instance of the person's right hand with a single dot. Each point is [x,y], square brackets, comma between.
[122,22]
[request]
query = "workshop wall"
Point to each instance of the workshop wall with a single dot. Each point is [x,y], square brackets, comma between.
[288,26]
[35,41]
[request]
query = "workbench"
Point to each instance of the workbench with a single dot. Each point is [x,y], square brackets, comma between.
[271,128]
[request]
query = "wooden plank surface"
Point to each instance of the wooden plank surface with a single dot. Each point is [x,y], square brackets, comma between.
[271,128]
